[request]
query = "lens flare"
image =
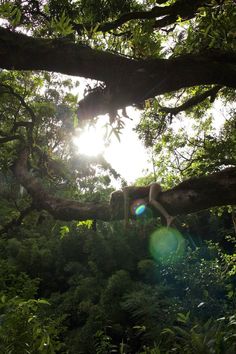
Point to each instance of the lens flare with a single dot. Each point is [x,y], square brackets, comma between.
[138,207]
[167,245]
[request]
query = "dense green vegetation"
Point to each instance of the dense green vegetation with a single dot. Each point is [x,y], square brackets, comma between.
[104,293]
[85,285]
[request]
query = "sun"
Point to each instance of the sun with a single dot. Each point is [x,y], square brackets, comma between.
[127,156]
[90,142]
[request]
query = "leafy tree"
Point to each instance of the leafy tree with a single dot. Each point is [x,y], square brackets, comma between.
[143,53]
[175,61]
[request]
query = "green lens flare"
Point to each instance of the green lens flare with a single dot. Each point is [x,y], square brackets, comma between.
[167,245]
[140,209]
[138,204]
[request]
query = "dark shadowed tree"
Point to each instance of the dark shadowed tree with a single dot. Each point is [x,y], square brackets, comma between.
[164,57]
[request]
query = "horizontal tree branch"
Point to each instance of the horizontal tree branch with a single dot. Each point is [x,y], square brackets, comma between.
[169,14]
[6,139]
[189,196]
[159,76]
[127,81]
[21,52]
[58,207]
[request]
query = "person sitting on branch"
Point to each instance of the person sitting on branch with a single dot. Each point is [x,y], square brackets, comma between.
[153,190]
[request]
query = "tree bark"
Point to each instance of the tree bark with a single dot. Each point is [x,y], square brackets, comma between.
[190,196]
[128,81]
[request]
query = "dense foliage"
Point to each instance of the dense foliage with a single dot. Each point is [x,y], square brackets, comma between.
[104,293]
[90,286]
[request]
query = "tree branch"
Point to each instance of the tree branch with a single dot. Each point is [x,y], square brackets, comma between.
[58,207]
[156,77]
[169,14]
[127,81]
[6,139]
[9,90]
[21,52]
[189,196]
[193,101]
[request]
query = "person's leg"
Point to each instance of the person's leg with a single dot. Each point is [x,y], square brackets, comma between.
[126,206]
[169,218]
[154,191]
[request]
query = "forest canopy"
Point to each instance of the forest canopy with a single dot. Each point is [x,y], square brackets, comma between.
[72,278]
[171,59]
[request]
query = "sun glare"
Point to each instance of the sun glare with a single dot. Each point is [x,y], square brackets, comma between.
[127,156]
[90,142]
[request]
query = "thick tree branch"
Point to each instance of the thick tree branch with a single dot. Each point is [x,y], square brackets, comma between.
[21,52]
[60,208]
[156,77]
[127,81]
[189,196]
[193,101]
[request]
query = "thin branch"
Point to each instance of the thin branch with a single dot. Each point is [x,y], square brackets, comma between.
[6,139]
[9,90]
[195,100]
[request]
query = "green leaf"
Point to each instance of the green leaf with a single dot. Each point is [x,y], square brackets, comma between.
[86,223]
[62,25]
[64,230]
[3,299]
[75,121]
[168,331]
[43,301]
